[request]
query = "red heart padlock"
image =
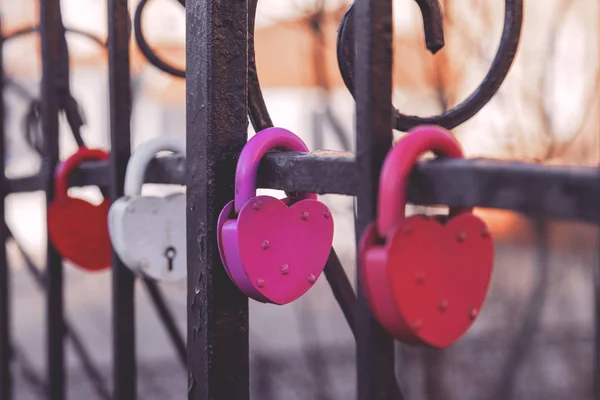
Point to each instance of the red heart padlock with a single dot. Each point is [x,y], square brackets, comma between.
[425,278]
[78,229]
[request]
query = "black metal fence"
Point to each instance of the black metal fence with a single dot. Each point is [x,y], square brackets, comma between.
[223,91]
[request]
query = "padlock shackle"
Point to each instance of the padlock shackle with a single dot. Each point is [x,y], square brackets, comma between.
[398,164]
[65,168]
[253,152]
[141,157]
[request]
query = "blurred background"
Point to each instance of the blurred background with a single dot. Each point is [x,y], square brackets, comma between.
[535,336]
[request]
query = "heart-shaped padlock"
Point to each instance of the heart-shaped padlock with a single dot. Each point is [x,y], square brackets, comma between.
[273,250]
[148,232]
[425,278]
[77,228]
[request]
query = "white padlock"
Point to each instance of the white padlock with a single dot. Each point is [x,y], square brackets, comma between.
[148,232]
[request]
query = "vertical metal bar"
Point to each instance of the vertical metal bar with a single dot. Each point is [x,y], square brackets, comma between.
[217,126]
[51,42]
[5,331]
[375,349]
[124,363]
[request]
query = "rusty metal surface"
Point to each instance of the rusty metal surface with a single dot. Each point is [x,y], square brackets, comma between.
[534,189]
[217,124]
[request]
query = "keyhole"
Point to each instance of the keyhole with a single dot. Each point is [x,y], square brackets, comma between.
[170,253]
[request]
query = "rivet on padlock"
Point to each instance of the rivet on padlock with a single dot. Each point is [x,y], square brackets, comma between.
[77,228]
[425,279]
[273,250]
[148,232]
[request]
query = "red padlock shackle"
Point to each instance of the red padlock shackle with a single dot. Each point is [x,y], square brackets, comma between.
[66,168]
[252,154]
[393,181]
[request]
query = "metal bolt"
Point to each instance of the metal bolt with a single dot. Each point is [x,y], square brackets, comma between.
[420,278]
[461,237]
[443,305]
[304,216]
[256,205]
[418,324]
[327,214]
[474,313]
[312,278]
[285,269]
[265,245]
[260,282]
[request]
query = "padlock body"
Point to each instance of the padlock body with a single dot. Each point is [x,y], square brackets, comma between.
[79,232]
[275,251]
[435,275]
[377,288]
[77,228]
[228,240]
[115,216]
[144,229]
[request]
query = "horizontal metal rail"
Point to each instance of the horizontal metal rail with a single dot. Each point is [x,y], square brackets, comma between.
[533,189]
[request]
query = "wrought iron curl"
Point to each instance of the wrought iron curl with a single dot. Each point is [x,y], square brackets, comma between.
[75,115]
[257,109]
[432,20]
[35,29]
[145,48]
[258,112]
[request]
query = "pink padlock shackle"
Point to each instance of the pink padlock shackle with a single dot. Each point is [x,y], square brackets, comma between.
[253,152]
[395,172]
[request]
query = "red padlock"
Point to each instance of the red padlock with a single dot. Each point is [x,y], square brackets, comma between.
[78,229]
[425,278]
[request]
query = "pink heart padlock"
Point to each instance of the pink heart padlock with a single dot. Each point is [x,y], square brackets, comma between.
[273,250]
